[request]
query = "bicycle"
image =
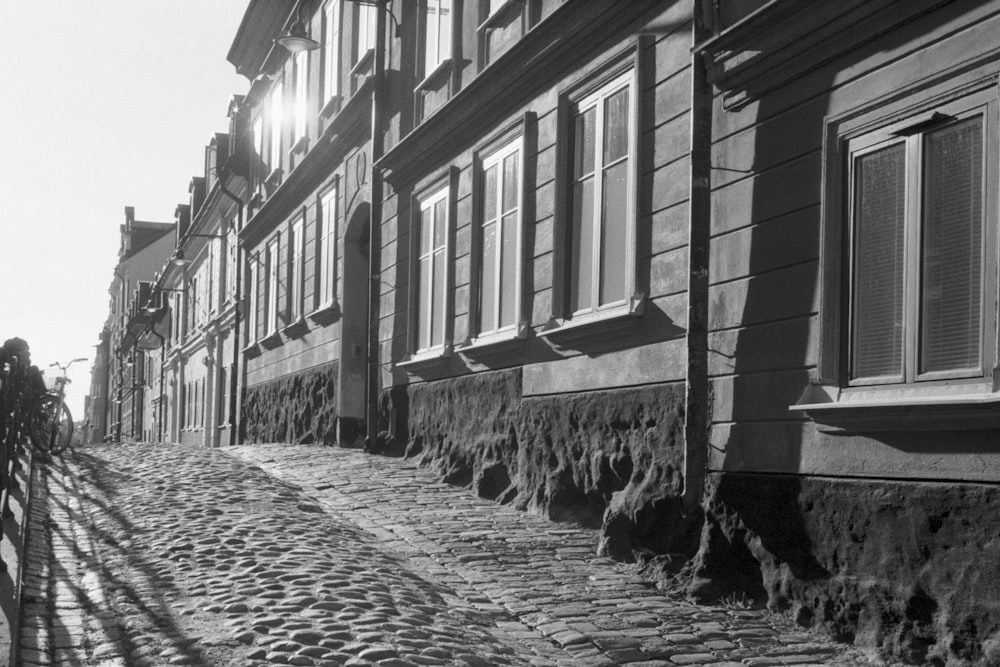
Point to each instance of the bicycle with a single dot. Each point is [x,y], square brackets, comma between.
[51,424]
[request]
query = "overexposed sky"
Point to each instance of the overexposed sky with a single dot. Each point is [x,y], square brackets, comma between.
[105,104]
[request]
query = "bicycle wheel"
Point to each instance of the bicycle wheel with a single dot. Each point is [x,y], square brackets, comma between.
[51,428]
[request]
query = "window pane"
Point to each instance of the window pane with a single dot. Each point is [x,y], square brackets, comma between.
[952,248]
[508,271]
[584,144]
[437,311]
[439,222]
[444,31]
[510,182]
[490,194]
[431,37]
[582,245]
[423,305]
[488,286]
[426,227]
[616,126]
[613,232]
[331,47]
[878,265]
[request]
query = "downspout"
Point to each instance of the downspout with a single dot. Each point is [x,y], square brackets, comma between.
[234,375]
[375,229]
[696,413]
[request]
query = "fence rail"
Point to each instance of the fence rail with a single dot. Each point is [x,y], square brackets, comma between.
[20,383]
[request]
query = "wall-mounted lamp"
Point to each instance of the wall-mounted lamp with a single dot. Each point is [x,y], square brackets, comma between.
[153,306]
[296,39]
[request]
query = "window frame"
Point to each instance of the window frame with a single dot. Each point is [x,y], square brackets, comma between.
[831,399]
[296,268]
[624,68]
[275,124]
[442,188]
[272,266]
[444,56]
[300,124]
[332,41]
[509,142]
[327,246]
[365,24]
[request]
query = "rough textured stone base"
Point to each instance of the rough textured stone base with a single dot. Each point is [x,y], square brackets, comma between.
[911,568]
[608,458]
[299,408]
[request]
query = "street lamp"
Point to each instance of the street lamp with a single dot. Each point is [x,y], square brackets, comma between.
[296,40]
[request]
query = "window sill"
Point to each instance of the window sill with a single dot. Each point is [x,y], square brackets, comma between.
[497,344]
[437,73]
[595,327]
[363,63]
[299,146]
[426,359]
[331,107]
[252,350]
[499,15]
[271,341]
[326,313]
[934,408]
[296,328]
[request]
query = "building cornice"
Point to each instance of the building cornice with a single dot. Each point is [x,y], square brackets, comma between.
[549,50]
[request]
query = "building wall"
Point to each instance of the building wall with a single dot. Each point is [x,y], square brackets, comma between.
[301,355]
[871,528]
[565,420]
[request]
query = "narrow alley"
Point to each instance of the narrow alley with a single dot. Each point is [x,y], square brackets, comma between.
[276,554]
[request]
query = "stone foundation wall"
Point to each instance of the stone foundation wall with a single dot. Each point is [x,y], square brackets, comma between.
[299,408]
[610,459]
[912,568]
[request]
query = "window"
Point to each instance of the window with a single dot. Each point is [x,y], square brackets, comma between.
[259,144]
[499,240]
[271,287]
[364,32]
[301,93]
[331,49]
[252,281]
[601,218]
[437,34]
[917,240]
[231,259]
[277,110]
[326,230]
[431,271]
[296,254]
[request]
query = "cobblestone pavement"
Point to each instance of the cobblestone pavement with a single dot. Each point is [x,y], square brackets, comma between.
[173,555]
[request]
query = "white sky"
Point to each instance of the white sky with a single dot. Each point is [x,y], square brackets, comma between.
[105,104]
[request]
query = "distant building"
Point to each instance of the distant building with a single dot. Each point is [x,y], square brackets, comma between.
[144,248]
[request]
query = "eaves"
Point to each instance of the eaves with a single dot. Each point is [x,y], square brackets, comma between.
[543,56]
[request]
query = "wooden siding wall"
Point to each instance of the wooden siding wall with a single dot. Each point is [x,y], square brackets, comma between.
[655,350]
[768,160]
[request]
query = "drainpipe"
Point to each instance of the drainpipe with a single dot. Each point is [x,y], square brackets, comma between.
[696,401]
[234,374]
[375,228]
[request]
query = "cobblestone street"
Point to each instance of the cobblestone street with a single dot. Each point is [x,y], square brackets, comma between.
[274,554]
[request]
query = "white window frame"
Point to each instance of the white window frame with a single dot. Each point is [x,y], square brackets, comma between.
[595,100]
[331,49]
[296,272]
[426,301]
[271,285]
[301,125]
[958,402]
[436,52]
[365,25]
[253,267]
[495,159]
[327,229]
[276,109]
